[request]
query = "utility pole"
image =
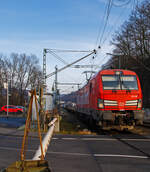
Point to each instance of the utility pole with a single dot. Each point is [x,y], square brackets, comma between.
[56,89]
[56,78]
[51,51]
[7,96]
[44,69]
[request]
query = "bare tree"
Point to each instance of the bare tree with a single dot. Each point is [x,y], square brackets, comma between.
[22,71]
[132,46]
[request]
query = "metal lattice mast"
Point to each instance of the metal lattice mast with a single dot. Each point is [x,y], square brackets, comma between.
[44,67]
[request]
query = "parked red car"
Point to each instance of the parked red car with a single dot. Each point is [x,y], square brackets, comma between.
[11,108]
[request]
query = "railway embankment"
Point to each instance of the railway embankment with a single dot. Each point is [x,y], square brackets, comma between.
[70,124]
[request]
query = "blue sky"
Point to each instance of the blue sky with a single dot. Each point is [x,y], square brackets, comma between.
[48,19]
[28,26]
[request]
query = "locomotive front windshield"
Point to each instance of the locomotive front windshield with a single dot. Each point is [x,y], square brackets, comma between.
[119,82]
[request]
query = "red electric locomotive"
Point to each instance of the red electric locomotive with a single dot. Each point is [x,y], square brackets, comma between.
[112,98]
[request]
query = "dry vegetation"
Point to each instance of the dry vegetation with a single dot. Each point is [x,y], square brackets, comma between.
[71,125]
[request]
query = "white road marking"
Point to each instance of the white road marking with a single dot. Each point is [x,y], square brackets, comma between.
[105,139]
[81,154]
[86,139]
[68,153]
[69,138]
[98,139]
[122,156]
[15,149]
[113,139]
[55,138]
[139,140]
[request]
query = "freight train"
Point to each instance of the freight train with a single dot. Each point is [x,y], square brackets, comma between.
[111,99]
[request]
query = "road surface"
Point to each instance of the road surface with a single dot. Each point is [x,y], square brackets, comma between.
[83,153]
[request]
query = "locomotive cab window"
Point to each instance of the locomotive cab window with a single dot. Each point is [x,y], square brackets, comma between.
[119,82]
[129,82]
[111,82]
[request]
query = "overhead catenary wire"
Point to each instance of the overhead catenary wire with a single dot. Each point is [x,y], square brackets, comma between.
[66,63]
[101,61]
[74,66]
[125,7]
[124,3]
[100,37]
[59,70]
[99,29]
[68,51]
[115,24]
[58,57]
[135,4]
[107,12]
[106,21]
[106,17]
[52,52]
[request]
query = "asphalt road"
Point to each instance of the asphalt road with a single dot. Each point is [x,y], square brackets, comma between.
[101,153]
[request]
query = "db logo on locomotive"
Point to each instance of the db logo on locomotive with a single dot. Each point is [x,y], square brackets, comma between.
[121,103]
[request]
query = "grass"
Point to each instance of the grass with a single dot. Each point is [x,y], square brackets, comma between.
[70,124]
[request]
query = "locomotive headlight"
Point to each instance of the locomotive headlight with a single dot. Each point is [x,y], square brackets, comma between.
[139,103]
[100,103]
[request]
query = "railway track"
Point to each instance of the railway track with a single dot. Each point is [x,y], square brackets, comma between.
[138,132]
[146,124]
[119,136]
[132,146]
